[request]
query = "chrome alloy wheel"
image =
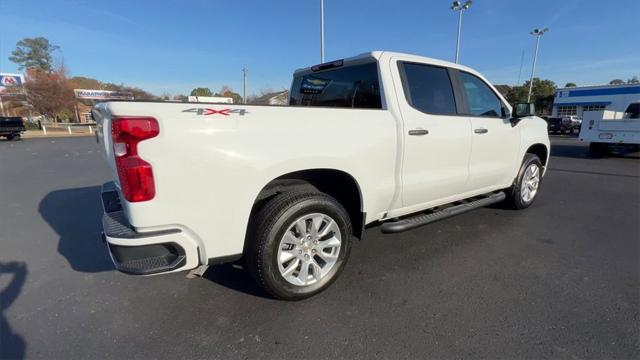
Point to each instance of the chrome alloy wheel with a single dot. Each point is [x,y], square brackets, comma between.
[309,249]
[530,183]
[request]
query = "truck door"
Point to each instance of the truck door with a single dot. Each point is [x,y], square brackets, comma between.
[437,142]
[495,141]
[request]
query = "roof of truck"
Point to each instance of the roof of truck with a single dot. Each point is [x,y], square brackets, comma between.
[378,54]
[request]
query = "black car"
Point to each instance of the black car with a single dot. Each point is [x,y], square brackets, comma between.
[11,127]
[559,125]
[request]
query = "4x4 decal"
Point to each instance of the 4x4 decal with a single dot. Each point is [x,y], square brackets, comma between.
[209,111]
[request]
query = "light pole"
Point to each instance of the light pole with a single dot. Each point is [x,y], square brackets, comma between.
[321,31]
[244,85]
[537,33]
[459,7]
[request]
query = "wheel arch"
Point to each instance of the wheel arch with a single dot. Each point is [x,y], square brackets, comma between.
[541,151]
[337,183]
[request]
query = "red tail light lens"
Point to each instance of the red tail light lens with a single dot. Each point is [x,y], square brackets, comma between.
[136,175]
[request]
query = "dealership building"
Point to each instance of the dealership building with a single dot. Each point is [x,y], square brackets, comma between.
[576,100]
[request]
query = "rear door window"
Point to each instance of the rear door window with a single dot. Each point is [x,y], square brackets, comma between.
[428,88]
[355,86]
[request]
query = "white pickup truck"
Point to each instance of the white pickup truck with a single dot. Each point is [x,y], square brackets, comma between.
[381,137]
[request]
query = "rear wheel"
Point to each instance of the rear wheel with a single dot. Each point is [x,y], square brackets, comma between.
[300,244]
[596,148]
[527,184]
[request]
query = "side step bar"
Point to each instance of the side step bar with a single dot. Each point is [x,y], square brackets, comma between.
[423,219]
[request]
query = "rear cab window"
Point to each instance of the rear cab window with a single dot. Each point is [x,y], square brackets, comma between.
[348,86]
[11,121]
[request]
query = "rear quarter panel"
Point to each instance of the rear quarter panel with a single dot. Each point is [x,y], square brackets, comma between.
[209,169]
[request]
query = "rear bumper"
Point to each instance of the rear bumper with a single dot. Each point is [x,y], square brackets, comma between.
[11,131]
[144,253]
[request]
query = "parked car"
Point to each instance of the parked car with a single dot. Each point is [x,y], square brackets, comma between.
[382,137]
[11,127]
[574,123]
[558,125]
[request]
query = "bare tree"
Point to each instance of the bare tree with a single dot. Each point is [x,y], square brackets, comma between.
[49,93]
[227,91]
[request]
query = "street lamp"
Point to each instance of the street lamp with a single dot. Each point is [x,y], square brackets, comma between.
[459,7]
[537,33]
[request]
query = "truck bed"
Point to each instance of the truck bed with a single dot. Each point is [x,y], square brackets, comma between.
[204,150]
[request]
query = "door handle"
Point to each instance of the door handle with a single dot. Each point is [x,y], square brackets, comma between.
[418,132]
[481,131]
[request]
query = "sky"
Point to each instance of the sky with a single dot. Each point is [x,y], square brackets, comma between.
[171,47]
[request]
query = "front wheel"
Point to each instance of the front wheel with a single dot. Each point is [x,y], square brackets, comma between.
[527,183]
[301,243]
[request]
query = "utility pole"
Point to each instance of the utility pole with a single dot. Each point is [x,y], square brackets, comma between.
[244,87]
[321,31]
[457,6]
[537,33]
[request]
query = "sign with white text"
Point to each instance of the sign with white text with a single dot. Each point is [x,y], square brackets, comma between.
[102,94]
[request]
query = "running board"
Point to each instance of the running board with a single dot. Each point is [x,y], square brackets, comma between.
[423,219]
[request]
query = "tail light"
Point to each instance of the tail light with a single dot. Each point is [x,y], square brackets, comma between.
[135,174]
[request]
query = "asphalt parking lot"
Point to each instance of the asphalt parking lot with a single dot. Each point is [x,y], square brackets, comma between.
[560,280]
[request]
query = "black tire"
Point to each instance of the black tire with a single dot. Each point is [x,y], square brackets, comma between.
[596,148]
[515,198]
[271,223]
[10,137]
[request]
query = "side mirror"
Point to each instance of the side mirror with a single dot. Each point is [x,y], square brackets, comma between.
[523,110]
